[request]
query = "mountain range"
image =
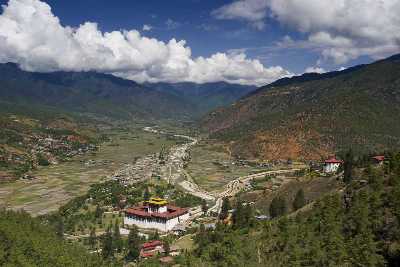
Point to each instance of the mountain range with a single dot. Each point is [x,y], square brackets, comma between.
[313,116]
[103,94]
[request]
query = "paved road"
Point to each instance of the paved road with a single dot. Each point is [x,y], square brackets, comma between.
[174,172]
[237,185]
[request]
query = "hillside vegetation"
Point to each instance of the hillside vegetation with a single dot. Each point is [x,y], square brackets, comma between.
[315,115]
[26,241]
[31,140]
[356,226]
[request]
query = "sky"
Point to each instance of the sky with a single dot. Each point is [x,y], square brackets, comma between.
[242,41]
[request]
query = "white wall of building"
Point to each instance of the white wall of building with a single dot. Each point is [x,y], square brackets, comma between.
[154,223]
[331,167]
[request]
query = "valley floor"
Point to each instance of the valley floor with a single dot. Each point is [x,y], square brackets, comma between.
[55,185]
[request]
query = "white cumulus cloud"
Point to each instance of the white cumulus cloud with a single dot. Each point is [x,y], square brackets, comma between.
[341,29]
[147,27]
[253,11]
[33,37]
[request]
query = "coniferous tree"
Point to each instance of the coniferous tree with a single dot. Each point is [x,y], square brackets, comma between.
[204,207]
[133,244]
[362,247]
[299,200]
[226,206]
[107,250]
[375,199]
[278,207]
[92,238]
[117,238]
[146,194]
[348,167]
[238,218]
[167,247]
[332,232]
[98,212]
[201,240]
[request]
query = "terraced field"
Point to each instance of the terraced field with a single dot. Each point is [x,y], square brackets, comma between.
[212,167]
[56,184]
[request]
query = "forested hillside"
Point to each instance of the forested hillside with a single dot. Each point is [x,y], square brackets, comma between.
[315,115]
[26,241]
[357,226]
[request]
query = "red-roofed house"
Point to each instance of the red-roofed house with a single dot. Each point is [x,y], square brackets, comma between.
[378,159]
[156,214]
[149,249]
[332,165]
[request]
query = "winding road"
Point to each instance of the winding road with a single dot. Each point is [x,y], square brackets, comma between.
[173,171]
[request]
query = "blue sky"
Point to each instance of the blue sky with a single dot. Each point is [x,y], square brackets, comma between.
[292,37]
[205,34]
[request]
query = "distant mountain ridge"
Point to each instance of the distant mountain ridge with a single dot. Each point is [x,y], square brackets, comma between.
[315,115]
[91,92]
[205,97]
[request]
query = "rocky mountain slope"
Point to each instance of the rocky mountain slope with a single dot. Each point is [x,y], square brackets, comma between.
[315,115]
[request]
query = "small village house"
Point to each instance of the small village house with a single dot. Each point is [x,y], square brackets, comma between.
[152,248]
[378,160]
[332,165]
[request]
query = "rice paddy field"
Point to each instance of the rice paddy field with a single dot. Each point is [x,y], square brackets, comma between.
[55,185]
[211,167]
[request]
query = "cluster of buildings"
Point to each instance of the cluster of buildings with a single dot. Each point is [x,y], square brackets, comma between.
[156,214]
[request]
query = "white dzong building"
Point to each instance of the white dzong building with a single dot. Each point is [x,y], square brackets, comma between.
[155,214]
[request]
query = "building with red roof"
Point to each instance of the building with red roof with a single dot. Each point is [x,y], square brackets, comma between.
[332,165]
[149,249]
[155,214]
[378,159]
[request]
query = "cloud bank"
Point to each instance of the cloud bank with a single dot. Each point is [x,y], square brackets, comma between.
[33,37]
[341,30]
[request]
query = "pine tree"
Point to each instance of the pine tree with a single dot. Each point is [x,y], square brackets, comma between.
[146,194]
[117,238]
[332,232]
[201,238]
[278,207]
[98,212]
[133,244]
[167,247]
[348,167]
[92,238]
[299,200]
[363,249]
[107,245]
[238,218]
[226,206]
[274,208]
[375,198]
[204,206]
